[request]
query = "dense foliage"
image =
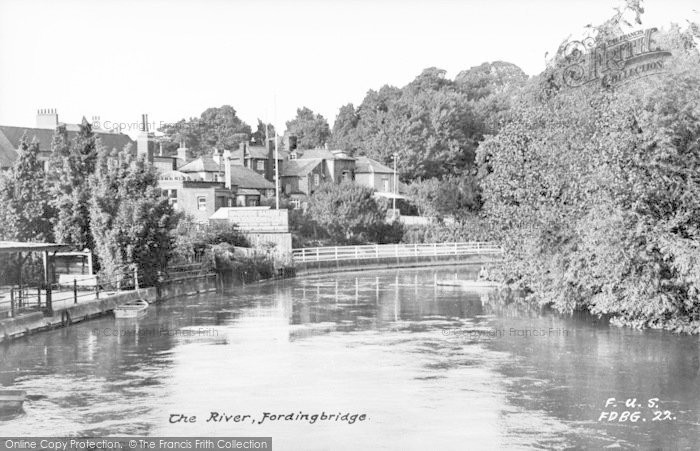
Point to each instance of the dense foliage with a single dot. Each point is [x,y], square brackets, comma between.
[218,128]
[434,124]
[348,214]
[70,166]
[311,130]
[131,222]
[595,195]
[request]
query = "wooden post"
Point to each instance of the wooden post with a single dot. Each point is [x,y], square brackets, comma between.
[38,296]
[136,278]
[12,301]
[47,282]
[75,291]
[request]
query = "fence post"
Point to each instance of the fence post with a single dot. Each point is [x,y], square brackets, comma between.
[376,252]
[38,296]
[136,278]
[97,288]
[75,291]
[12,301]
[336,257]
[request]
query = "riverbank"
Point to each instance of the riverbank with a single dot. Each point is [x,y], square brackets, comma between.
[30,323]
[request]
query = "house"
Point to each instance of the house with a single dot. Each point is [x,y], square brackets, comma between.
[205,168]
[373,174]
[339,166]
[259,159]
[46,123]
[301,178]
[252,187]
[193,196]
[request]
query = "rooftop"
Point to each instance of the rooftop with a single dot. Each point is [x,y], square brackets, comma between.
[205,163]
[247,178]
[365,164]
[299,168]
[10,138]
[19,246]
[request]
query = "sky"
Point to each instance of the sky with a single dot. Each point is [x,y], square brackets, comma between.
[174,59]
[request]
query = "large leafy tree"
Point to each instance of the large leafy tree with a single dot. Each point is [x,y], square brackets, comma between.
[344,129]
[312,130]
[218,128]
[348,213]
[70,166]
[25,212]
[131,221]
[595,193]
[434,124]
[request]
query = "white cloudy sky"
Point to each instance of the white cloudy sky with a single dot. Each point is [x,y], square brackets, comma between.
[173,59]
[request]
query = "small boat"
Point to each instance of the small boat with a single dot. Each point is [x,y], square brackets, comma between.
[12,400]
[481,284]
[131,309]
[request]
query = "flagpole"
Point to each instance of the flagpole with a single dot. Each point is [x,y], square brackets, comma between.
[277,158]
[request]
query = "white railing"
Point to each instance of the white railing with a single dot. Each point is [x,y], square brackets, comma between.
[393,251]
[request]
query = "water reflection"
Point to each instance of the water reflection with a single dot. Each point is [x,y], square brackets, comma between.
[431,366]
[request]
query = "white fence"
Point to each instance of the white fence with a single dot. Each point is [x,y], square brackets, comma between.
[393,251]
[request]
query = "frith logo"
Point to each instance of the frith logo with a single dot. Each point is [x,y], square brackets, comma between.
[614,61]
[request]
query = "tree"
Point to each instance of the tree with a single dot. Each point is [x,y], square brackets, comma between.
[25,213]
[455,197]
[260,134]
[434,124]
[594,193]
[347,212]
[218,128]
[344,129]
[70,166]
[131,222]
[312,130]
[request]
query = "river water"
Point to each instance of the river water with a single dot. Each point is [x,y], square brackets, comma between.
[429,367]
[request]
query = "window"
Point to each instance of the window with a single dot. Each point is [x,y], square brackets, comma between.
[317,179]
[201,203]
[296,203]
[288,188]
[261,165]
[385,184]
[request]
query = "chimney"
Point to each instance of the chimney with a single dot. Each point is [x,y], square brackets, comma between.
[47,118]
[182,153]
[227,170]
[145,145]
[243,146]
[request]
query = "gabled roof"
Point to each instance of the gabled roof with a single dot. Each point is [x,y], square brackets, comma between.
[299,168]
[205,163]
[323,154]
[365,164]
[10,138]
[248,179]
